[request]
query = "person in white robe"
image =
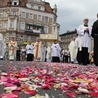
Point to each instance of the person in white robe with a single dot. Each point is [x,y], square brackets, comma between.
[65,54]
[12,49]
[76,41]
[6,56]
[38,50]
[48,56]
[30,51]
[55,51]
[84,42]
[44,51]
[73,50]
[2,47]
[23,53]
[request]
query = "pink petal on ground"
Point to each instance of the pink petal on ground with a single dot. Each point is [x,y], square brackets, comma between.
[3,79]
[82,76]
[46,86]
[94,94]
[8,84]
[70,94]
[8,95]
[31,92]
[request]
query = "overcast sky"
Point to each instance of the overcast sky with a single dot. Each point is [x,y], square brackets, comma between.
[72,12]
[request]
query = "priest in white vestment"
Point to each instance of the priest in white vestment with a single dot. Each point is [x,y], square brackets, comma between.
[55,51]
[38,50]
[48,56]
[73,50]
[84,42]
[44,51]
[2,47]
[12,49]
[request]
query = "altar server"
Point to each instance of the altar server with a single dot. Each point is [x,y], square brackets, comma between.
[55,51]
[30,51]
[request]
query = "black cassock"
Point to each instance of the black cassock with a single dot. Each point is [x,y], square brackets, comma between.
[95,36]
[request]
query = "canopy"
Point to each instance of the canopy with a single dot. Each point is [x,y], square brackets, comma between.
[49,37]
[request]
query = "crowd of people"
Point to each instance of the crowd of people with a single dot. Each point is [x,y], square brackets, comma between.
[79,50]
[40,51]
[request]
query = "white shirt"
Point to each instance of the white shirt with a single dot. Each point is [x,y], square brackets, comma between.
[29,49]
[84,39]
[55,48]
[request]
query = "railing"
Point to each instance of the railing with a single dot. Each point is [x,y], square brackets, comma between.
[33,31]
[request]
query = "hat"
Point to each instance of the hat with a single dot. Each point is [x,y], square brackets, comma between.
[86,19]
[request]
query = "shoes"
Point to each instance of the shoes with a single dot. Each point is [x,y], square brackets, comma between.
[1,58]
[72,62]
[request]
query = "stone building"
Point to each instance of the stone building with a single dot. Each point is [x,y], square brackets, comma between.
[66,38]
[27,19]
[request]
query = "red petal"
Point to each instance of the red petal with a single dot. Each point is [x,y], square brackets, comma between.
[70,94]
[46,86]
[31,92]
[82,76]
[8,84]
[94,94]
[8,95]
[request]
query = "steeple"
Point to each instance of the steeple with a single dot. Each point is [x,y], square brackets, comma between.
[55,9]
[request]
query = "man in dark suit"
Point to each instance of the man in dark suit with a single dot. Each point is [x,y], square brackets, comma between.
[95,36]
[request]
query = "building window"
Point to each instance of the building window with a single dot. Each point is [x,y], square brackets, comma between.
[5,14]
[0,25]
[11,23]
[22,25]
[39,7]
[23,15]
[11,35]
[54,19]
[15,3]
[14,12]
[0,15]
[29,27]
[32,6]
[38,0]
[5,24]
[39,18]
[46,19]
[4,37]
[29,38]
[46,29]
[54,29]
[30,16]
[22,38]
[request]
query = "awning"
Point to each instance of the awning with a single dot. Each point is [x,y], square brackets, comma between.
[30,24]
[37,25]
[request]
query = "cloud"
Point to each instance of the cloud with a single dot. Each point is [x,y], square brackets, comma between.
[72,12]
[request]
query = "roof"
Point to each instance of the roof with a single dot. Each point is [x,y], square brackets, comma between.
[4,3]
[22,3]
[48,8]
[68,32]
